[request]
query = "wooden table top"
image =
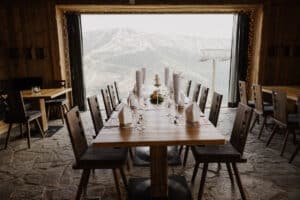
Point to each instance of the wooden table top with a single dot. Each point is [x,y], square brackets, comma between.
[45,93]
[158,129]
[292,92]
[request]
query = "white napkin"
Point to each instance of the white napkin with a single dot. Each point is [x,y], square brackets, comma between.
[176,86]
[181,100]
[192,113]
[125,117]
[144,74]
[132,101]
[167,75]
[139,83]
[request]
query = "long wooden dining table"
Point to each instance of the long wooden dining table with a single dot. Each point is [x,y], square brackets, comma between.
[41,96]
[155,127]
[292,92]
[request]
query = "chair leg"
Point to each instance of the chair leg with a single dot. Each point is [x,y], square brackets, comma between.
[186,154]
[284,142]
[66,107]
[180,149]
[21,129]
[131,154]
[28,134]
[238,180]
[62,113]
[8,136]
[294,137]
[203,177]
[48,112]
[230,173]
[272,135]
[124,179]
[195,172]
[262,127]
[40,128]
[253,122]
[294,154]
[117,183]
[83,183]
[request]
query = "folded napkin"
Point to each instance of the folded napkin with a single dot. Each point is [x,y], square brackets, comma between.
[192,114]
[167,74]
[132,101]
[139,83]
[125,117]
[181,101]
[144,74]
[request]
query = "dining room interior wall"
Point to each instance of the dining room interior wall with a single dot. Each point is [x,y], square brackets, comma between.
[29,40]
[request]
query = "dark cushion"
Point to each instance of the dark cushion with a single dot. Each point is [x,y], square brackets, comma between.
[56,101]
[33,114]
[102,158]
[293,119]
[268,109]
[251,103]
[216,153]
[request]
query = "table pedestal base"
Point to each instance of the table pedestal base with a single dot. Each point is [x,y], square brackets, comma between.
[139,188]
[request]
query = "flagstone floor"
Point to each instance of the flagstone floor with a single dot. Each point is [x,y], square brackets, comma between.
[45,171]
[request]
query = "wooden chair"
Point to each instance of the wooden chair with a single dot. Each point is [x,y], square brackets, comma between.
[88,158]
[213,118]
[203,98]
[298,146]
[107,105]
[244,98]
[188,88]
[260,110]
[112,96]
[59,102]
[230,153]
[196,92]
[16,114]
[288,123]
[95,113]
[117,92]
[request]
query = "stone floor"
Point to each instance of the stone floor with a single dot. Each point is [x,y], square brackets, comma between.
[44,171]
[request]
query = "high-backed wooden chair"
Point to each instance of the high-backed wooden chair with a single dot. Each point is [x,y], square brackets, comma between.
[188,88]
[230,153]
[112,96]
[203,98]
[281,118]
[213,118]
[298,146]
[107,104]
[260,110]
[117,92]
[59,102]
[16,114]
[95,113]
[88,158]
[196,92]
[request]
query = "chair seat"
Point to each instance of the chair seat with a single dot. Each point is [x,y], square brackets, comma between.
[251,103]
[33,114]
[56,101]
[216,153]
[102,158]
[293,119]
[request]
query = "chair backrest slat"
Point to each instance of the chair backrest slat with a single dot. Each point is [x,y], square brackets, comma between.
[258,98]
[196,92]
[203,98]
[188,88]
[117,91]
[280,106]
[240,128]
[243,92]
[112,96]
[215,108]
[95,113]
[16,112]
[106,102]
[76,132]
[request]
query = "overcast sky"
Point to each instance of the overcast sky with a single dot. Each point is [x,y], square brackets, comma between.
[204,25]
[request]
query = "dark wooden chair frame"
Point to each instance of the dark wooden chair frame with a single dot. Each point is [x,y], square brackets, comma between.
[107,104]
